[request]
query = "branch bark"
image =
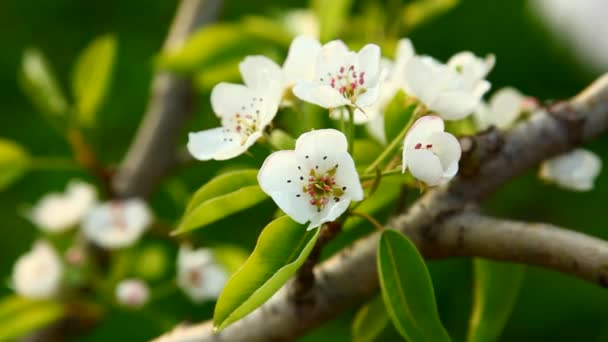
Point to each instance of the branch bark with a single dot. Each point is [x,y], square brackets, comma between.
[155,147]
[435,223]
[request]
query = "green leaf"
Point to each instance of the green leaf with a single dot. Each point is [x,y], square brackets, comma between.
[19,316]
[370,321]
[332,16]
[14,162]
[281,249]
[223,184]
[267,29]
[419,12]
[397,115]
[496,287]
[282,140]
[91,77]
[40,85]
[407,289]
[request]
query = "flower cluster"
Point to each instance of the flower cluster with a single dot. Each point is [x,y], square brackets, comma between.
[198,273]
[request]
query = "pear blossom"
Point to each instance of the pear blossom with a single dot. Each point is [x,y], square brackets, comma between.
[133,293]
[503,109]
[316,182]
[575,170]
[244,113]
[452,91]
[394,81]
[37,274]
[344,78]
[198,274]
[58,212]
[117,223]
[431,154]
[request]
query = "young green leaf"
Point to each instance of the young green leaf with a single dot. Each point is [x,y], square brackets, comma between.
[281,249]
[14,162]
[91,77]
[496,286]
[332,16]
[40,85]
[19,316]
[407,289]
[397,115]
[370,321]
[222,196]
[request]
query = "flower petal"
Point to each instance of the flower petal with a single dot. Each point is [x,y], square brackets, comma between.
[322,95]
[425,166]
[421,130]
[369,62]
[447,148]
[330,58]
[321,141]
[455,105]
[505,106]
[331,212]
[227,99]
[300,62]
[258,71]
[347,177]
[218,143]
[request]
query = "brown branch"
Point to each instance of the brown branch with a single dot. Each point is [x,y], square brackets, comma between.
[155,148]
[434,222]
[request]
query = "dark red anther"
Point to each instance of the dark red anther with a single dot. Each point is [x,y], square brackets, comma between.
[429,145]
[418,146]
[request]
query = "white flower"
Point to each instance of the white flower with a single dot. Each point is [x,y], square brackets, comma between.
[502,110]
[244,113]
[132,293]
[474,70]
[394,81]
[57,212]
[316,182]
[431,154]
[453,92]
[260,72]
[118,223]
[38,273]
[302,22]
[199,276]
[575,170]
[344,78]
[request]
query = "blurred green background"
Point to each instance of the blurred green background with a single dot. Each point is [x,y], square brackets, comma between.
[551,306]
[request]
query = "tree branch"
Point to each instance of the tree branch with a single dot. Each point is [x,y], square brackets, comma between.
[435,223]
[155,147]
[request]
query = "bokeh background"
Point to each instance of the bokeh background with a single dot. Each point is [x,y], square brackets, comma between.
[530,57]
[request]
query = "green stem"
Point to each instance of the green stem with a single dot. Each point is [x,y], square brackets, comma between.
[383,174]
[393,146]
[351,131]
[53,163]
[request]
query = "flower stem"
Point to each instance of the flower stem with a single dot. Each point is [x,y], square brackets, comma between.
[351,131]
[394,145]
[383,174]
[369,218]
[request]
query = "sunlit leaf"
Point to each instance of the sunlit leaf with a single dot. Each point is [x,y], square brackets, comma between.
[267,29]
[407,289]
[397,115]
[420,12]
[281,249]
[91,77]
[20,316]
[370,321]
[496,287]
[332,16]
[231,257]
[40,84]
[14,162]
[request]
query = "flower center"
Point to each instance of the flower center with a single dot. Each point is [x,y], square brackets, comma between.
[322,188]
[347,80]
[246,121]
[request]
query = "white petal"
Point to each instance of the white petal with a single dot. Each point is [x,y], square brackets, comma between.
[425,166]
[37,274]
[369,62]
[258,71]
[447,148]
[331,212]
[228,98]
[505,107]
[483,116]
[321,141]
[372,94]
[419,78]
[322,95]
[575,170]
[421,130]
[279,177]
[300,62]
[132,293]
[331,57]
[219,144]
[347,176]
[454,105]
